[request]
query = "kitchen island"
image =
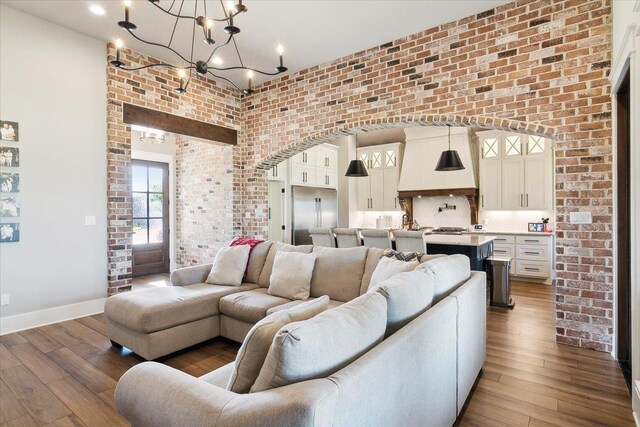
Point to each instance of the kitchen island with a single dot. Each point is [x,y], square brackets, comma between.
[477,247]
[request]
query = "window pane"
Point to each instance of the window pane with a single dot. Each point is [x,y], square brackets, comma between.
[512,146]
[490,148]
[155,179]
[155,231]
[139,231]
[139,205]
[155,204]
[139,178]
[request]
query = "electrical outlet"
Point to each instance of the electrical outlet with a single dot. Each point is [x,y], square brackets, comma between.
[5,299]
[90,220]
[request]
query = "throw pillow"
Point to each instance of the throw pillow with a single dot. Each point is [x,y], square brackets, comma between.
[252,243]
[229,265]
[388,267]
[408,295]
[256,344]
[291,275]
[449,271]
[321,346]
[403,256]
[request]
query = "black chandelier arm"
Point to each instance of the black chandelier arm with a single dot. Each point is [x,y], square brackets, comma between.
[218,47]
[162,64]
[238,52]
[158,45]
[264,73]
[194,18]
[225,79]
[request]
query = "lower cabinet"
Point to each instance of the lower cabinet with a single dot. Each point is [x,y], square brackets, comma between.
[531,256]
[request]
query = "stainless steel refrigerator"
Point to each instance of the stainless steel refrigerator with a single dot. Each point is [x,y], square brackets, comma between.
[312,207]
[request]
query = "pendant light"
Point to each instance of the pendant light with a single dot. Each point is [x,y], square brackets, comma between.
[356,167]
[449,159]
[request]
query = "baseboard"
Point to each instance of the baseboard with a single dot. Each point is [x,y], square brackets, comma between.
[636,418]
[34,319]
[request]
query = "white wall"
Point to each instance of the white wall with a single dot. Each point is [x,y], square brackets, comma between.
[53,82]
[626,41]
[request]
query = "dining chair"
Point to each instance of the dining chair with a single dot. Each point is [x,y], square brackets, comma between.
[347,237]
[374,238]
[410,241]
[322,237]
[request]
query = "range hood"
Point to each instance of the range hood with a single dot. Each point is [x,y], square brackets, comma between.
[422,151]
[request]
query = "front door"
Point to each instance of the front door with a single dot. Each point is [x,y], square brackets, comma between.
[150,197]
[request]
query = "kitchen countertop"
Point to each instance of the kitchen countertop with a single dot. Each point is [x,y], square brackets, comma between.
[512,233]
[460,240]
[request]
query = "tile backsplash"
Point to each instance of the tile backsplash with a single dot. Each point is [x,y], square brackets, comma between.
[425,211]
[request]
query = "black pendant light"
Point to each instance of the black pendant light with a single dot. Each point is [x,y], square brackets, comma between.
[449,159]
[356,167]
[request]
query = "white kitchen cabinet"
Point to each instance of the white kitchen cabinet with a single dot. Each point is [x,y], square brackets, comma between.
[278,172]
[516,171]
[379,190]
[315,167]
[531,255]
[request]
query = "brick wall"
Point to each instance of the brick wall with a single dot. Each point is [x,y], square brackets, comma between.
[204,200]
[151,88]
[534,66]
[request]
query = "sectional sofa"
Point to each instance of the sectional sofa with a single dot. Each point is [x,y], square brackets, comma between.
[420,375]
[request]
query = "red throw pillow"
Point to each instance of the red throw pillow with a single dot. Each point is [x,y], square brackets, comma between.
[238,241]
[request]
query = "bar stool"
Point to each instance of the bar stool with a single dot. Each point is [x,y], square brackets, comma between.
[410,241]
[347,237]
[322,237]
[374,238]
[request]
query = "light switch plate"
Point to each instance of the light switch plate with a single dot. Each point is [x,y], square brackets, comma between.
[580,218]
[89,220]
[5,299]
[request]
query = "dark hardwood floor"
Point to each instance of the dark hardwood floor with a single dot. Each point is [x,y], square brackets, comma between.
[65,374]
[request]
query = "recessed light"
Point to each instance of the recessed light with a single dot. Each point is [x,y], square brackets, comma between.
[97,9]
[216,60]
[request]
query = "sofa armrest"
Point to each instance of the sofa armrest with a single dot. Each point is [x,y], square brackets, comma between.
[190,275]
[471,299]
[152,394]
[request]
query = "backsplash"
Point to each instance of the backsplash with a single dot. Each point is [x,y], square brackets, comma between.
[367,219]
[425,211]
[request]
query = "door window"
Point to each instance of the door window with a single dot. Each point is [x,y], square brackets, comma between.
[148,204]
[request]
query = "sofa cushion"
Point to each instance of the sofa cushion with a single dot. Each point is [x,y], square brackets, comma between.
[156,309]
[373,257]
[338,272]
[291,275]
[318,347]
[449,273]
[256,261]
[219,377]
[408,295]
[265,275]
[256,345]
[250,306]
[332,304]
[388,267]
[229,266]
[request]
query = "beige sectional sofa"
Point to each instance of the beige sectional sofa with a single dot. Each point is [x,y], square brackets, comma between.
[420,375]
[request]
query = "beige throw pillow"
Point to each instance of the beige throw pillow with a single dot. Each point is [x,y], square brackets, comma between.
[321,346]
[229,265]
[291,275]
[256,344]
[388,267]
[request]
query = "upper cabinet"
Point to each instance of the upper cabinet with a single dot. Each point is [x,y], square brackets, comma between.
[379,190]
[316,167]
[516,171]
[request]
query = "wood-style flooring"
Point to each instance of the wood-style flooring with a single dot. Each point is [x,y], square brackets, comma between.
[65,374]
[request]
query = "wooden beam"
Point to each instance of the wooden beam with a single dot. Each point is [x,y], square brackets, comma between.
[443,192]
[134,115]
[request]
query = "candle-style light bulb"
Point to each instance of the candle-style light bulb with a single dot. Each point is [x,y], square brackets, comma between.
[250,77]
[209,28]
[280,52]
[127,5]
[216,60]
[119,45]
[182,74]
[230,10]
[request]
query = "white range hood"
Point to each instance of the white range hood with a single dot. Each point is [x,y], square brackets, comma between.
[423,147]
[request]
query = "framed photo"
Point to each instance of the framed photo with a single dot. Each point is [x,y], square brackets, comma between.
[536,227]
[9,156]
[9,131]
[9,182]
[9,207]
[9,232]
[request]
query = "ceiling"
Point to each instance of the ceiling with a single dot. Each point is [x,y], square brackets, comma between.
[312,32]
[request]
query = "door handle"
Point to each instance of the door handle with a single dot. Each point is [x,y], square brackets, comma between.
[532,253]
[482,203]
[531,269]
[521,204]
[527,199]
[269,213]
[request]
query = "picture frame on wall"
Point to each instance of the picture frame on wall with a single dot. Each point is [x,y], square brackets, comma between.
[9,182]
[9,207]
[9,131]
[9,157]
[9,232]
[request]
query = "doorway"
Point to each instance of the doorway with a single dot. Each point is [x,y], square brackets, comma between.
[276,211]
[623,249]
[150,217]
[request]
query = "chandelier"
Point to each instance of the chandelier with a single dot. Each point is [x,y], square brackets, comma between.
[202,27]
